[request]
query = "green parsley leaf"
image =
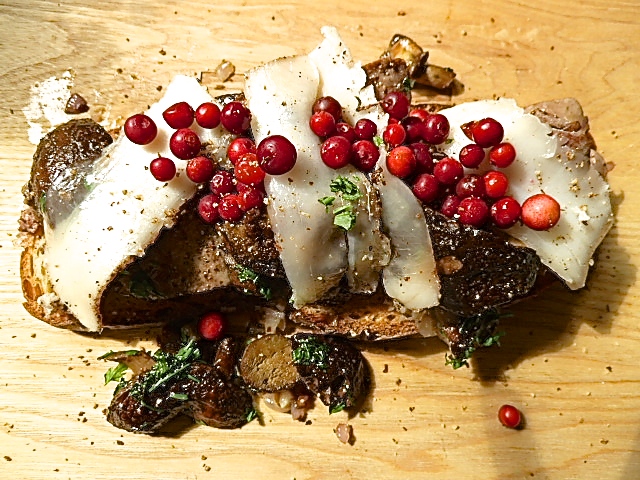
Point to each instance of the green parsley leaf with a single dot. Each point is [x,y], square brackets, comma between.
[251,415]
[408,84]
[378,141]
[245,274]
[345,217]
[347,189]
[337,408]
[327,201]
[312,351]
[42,203]
[111,353]
[167,367]
[179,396]
[115,374]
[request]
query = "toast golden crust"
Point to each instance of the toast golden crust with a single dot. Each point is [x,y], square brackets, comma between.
[40,301]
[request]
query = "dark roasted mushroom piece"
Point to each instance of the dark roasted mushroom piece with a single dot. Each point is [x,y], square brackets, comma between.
[267,364]
[332,368]
[207,393]
[63,160]
[478,269]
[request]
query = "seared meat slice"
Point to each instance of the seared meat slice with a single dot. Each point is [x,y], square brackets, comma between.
[479,270]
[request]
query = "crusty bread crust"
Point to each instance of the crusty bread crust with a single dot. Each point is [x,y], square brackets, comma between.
[36,286]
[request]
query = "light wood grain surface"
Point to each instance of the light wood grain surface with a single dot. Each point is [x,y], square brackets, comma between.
[570,361]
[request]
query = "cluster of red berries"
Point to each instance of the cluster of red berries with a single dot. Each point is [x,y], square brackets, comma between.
[475,199]
[231,194]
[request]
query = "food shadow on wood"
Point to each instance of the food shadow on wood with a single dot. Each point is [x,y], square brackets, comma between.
[550,322]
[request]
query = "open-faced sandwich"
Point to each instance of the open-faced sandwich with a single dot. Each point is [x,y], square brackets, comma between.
[318,205]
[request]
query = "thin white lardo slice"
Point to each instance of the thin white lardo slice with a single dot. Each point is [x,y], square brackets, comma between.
[542,166]
[369,247]
[411,277]
[344,79]
[340,75]
[280,95]
[122,215]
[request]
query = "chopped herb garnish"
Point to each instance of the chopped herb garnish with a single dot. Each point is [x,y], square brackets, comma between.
[349,193]
[110,353]
[245,274]
[42,202]
[141,285]
[327,201]
[179,396]
[378,141]
[311,351]
[475,332]
[408,84]
[251,415]
[115,374]
[345,217]
[167,367]
[337,408]
[346,188]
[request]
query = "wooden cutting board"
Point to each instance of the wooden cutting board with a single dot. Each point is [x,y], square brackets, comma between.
[570,361]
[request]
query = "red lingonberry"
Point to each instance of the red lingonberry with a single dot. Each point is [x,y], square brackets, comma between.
[276,155]
[345,130]
[424,160]
[247,170]
[336,152]
[473,211]
[540,212]
[502,155]
[436,129]
[426,188]
[185,143]
[235,117]
[495,184]
[200,169]
[396,104]
[487,132]
[208,208]
[505,212]
[448,171]
[510,416]
[208,115]
[450,205]
[401,162]
[472,155]
[365,129]
[250,198]
[414,128]
[394,134]
[222,183]
[212,326]
[330,105]
[140,129]
[229,208]
[421,113]
[364,155]
[163,169]
[322,124]
[238,147]
[471,185]
[179,115]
